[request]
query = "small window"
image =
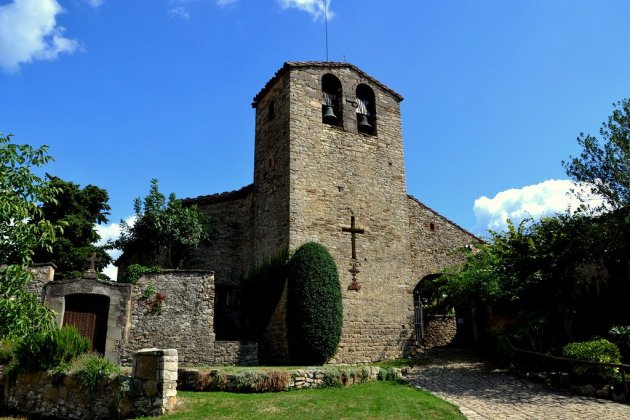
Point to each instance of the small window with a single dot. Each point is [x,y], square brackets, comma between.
[331,101]
[271,110]
[366,110]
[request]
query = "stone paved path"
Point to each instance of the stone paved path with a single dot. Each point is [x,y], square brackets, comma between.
[482,392]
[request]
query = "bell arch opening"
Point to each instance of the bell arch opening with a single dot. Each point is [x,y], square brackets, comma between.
[366,110]
[331,100]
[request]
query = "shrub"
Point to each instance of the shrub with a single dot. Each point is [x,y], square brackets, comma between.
[91,369]
[135,271]
[43,351]
[621,337]
[596,350]
[6,351]
[314,306]
[332,377]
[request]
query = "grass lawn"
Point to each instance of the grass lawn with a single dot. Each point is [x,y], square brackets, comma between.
[372,400]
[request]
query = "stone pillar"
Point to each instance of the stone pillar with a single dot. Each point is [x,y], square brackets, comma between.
[155,381]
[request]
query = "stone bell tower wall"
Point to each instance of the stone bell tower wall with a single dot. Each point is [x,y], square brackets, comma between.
[338,172]
[271,171]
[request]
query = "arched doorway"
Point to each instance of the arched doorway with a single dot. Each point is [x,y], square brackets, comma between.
[88,313]
[425,293]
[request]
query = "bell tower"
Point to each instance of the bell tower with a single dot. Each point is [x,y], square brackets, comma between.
[329,168]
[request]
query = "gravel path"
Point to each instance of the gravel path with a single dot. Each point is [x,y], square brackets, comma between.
[482,392]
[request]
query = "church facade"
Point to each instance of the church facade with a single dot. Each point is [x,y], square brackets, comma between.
[329,167]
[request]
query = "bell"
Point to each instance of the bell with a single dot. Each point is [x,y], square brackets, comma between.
[363,122]
[329,115]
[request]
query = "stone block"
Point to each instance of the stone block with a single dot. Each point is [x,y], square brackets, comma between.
[145,366]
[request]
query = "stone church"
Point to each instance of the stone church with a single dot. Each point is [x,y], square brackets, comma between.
[328,168]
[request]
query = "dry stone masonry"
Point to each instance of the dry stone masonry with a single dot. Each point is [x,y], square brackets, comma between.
[151,390]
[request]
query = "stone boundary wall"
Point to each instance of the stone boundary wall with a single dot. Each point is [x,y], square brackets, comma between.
[281,380]
[439,330]
[239,353]
[172,309]
[42,274]
[38,394]
[151,390]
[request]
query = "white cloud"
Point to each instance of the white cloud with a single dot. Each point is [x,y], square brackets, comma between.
[29,31]
[111,232]
[180,12]
[223,3]
[535,201]
[315,8]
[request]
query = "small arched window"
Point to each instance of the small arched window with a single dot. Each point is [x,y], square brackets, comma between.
[331,101]
[366,110]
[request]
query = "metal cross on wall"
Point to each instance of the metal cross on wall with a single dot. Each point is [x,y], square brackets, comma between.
[353,230]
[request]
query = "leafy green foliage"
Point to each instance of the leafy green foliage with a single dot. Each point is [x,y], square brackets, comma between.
[596,350]
[22,192]
[20,311]
[261,291]
[6,351]
[552,280]
[92,369]
[46,350]
[136,271]
[22,230]
[620,335]
[77,210]
[605,164]
[164,230]
[153,300]
[314,305]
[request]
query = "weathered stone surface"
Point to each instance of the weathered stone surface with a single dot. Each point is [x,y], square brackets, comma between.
[310,178]
[184,321]
[39,395]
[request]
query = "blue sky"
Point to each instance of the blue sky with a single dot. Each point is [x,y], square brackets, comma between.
[496,91]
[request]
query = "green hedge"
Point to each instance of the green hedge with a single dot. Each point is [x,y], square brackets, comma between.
[596,350]
[314,305]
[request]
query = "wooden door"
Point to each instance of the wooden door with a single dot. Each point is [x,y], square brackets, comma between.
[88,313]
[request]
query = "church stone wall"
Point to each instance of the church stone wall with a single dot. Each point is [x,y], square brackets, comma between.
[229,252]
[183,321]
[272,172]
[435,240]
[337,173]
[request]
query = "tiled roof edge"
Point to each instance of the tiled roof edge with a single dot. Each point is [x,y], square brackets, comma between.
[220,197]
[412,198]
[294,64]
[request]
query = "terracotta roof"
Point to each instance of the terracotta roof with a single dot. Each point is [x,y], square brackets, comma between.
[445,218]
[220,197]
[330,64]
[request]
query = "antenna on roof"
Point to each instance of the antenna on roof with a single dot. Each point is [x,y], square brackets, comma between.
[325,2]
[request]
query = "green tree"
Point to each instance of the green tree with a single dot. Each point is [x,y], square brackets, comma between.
[314,305]
[21,194]
[77,210]
[556,278]
[164,230]
[605,164]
